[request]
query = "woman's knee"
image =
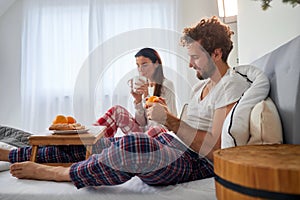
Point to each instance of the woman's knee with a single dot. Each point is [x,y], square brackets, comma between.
[116,108]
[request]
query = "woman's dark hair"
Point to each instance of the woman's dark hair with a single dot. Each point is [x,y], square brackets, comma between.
[158,75]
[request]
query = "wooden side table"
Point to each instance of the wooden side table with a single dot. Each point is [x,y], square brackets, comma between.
[258,172]
[88,139]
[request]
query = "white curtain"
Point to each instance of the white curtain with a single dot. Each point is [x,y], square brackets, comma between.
[78,55]
[54,44]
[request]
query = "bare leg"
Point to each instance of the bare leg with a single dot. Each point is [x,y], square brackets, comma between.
[4,154]
[31,170]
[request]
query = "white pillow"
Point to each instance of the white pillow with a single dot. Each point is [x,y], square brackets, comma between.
[5,165]
[257,92]
[227,139]
[236,127]
[265,124]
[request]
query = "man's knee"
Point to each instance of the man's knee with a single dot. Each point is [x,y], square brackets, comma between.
[138,143]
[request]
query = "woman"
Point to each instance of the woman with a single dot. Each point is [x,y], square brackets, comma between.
[149,65]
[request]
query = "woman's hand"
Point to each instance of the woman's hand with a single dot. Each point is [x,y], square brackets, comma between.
[137,97]
[142,90]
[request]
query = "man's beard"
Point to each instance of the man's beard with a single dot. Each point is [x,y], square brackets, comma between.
[211,68]
[199,76]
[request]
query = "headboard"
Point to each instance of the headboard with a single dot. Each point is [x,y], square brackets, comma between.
[282,66]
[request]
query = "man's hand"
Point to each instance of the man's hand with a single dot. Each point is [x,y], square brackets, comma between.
[157,111]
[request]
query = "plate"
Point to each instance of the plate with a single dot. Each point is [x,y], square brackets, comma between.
[65,132]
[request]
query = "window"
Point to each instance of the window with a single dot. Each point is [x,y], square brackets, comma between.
[228,10]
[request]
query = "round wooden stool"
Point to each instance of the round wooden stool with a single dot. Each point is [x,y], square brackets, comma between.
[258,172]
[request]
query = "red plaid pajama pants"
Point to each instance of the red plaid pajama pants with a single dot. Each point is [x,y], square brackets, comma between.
[119,117]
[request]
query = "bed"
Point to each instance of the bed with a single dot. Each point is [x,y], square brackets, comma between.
[14,189]
[282,68]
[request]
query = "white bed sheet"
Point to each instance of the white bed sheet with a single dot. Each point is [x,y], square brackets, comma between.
[17,189]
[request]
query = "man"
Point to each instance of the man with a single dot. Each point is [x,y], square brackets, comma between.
[185,154]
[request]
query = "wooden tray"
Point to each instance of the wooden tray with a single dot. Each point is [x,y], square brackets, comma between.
[258,172]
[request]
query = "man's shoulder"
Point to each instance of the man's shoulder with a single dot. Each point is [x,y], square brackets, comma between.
[233,79]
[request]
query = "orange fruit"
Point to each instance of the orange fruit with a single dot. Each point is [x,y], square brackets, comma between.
[152,99]
[71,120]
[60,119]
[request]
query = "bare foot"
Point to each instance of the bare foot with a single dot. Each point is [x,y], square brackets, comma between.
[4,154]
[32,170]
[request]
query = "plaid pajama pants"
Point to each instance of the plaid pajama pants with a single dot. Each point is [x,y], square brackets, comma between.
[157,161]
[119,117]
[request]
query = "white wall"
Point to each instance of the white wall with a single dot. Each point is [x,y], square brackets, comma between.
[10,59]
[190,13]
[263,31]
[4,5]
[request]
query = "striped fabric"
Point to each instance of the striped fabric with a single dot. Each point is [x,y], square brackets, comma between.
[119,117]
[49,154]
[157,161]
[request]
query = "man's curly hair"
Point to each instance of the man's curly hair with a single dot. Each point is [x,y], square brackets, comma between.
[212,34]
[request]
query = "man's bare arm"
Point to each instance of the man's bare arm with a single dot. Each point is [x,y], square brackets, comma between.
[203,142]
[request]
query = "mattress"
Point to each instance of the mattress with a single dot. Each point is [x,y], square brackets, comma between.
[20,189]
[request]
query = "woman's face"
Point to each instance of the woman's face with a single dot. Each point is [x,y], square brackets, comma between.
[145,66]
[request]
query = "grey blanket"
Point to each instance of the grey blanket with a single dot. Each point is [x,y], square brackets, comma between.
[14,136]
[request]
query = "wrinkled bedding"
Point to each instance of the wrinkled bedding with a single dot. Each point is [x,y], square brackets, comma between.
[14,137]
[21,189]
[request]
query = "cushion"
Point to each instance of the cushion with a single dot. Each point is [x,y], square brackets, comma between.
[282,68]
[227,139]
[236,129]
[265,124]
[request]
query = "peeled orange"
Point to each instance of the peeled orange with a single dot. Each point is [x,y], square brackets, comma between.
[71,120]
[60,119]
[153,99]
